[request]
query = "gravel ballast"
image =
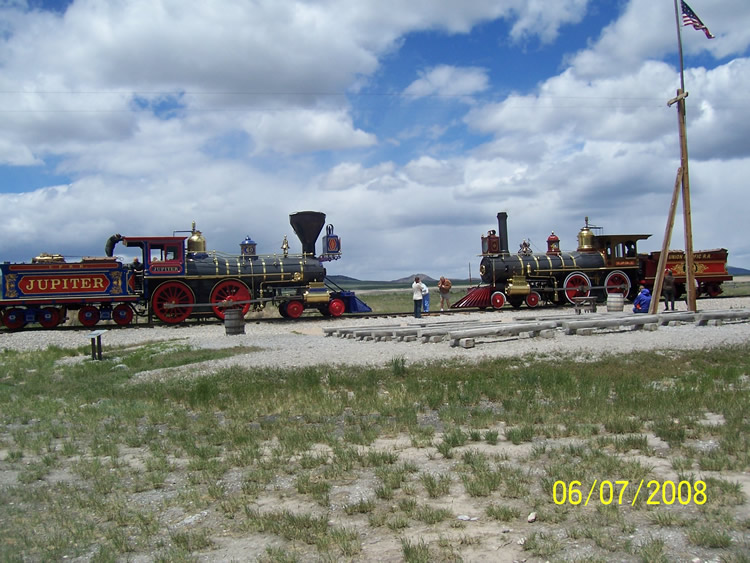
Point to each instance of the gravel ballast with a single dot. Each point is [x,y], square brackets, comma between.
[303,343]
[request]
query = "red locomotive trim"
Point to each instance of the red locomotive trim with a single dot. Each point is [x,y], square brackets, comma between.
[50,285]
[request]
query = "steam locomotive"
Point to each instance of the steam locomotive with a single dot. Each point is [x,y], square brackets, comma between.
[602,264]
[175,279]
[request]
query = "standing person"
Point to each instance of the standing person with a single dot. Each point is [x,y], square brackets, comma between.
[444,287]
[425,298]
[668,290]
[416,291]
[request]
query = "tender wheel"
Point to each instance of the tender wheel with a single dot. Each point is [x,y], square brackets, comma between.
[713,290]
[577,284]
[227,291]
[14,318]
[122,314]
[533,299]
[497,300]
[50,317]
[617,282]
[294,309]
[336,307]
[173,302]
[88,315]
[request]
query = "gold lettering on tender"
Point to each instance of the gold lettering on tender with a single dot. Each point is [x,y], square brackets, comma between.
[98,283]
[85,283]
[28,285]
[54,284]
[42,284]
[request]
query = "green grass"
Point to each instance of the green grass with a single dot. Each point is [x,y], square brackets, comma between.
[101,461]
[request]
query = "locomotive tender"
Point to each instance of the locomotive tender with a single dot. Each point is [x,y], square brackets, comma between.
[176,279]
[601,265]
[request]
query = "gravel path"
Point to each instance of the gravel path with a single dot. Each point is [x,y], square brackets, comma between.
[302,342]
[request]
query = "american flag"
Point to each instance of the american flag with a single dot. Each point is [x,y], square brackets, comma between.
[689,18]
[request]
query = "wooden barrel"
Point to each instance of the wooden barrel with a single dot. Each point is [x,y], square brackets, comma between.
[615,303]
[234,322]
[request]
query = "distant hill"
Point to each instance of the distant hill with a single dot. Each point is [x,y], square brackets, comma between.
[342,279]
[410,279]
[738,271]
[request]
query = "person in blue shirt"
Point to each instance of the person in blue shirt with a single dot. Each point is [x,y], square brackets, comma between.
[642,301]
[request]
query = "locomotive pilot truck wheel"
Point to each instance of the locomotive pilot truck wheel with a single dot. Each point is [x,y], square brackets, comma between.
[533,299]
[336,307]
[294,309]
[498,300]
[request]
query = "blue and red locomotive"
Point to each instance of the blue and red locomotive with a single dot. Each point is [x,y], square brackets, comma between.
[176,278]
[601,265]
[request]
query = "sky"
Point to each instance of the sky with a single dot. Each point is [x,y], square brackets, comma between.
[409,124]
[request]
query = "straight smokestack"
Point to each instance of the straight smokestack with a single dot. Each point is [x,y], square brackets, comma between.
[502,231]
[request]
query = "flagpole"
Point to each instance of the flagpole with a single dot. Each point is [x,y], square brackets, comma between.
[686,210]
[679,44]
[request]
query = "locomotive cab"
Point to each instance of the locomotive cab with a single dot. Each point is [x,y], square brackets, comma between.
[162,256]
[619,250]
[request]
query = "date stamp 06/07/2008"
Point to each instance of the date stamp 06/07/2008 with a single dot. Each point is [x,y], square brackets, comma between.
[613,492]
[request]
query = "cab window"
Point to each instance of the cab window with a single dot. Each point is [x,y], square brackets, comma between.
[161,253]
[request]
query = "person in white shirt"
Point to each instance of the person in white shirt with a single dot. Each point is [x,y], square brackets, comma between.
[416,290]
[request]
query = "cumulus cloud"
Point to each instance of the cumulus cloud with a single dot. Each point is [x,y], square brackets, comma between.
[447,80]
[352,175]
[298,131]
[544,19]
[239,114]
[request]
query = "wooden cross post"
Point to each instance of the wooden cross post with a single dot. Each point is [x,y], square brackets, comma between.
[659,277]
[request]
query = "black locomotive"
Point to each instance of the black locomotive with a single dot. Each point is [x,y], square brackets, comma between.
[177,278]
[601,265]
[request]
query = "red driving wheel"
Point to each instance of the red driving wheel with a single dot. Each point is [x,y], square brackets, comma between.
[88,315]
[227,291]
[533,299]
[577,284]
[294,309]
[336,307]
[50,317]
[122,314]
[617,282]
[173,302]
[498,300]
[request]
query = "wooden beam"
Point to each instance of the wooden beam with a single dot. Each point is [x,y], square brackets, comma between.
[659,278]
